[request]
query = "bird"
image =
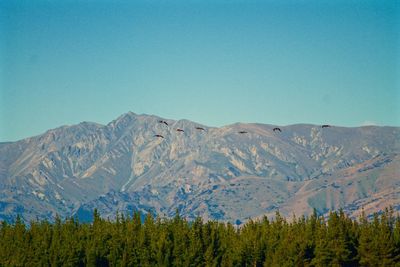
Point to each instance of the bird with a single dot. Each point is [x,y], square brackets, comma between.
[161,121]
[242,132]
[158,135]
[180,130]
[200,128]
[277,129]
[325,126]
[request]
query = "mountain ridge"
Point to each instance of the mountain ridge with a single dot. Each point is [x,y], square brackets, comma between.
[216,173]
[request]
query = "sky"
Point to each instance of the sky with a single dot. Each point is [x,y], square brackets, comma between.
[213,62]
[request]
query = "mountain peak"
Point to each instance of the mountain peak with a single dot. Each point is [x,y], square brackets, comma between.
[127,115]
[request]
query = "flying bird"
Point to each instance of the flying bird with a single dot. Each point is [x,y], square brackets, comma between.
[159,135]
[180,130]
[161,121]
[242,132]
[326,126]
[200,128]
[277,129]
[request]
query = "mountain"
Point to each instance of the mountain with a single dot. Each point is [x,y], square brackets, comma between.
[215,173]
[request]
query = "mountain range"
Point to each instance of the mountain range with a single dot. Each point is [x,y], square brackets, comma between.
[245,170]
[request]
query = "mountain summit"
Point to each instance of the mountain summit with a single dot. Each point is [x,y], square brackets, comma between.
[231,173]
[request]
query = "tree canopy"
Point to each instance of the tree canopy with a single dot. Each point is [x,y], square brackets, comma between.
[132,241]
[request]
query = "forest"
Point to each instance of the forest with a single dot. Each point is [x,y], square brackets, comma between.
[336,240]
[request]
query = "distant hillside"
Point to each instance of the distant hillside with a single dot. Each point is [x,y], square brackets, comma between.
[232,173]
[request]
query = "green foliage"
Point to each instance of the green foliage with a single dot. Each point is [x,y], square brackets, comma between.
[130,241]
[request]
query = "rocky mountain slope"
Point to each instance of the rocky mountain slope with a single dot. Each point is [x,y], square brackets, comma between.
[215,173]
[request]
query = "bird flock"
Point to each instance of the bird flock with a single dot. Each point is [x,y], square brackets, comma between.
[178,129]
[276,129]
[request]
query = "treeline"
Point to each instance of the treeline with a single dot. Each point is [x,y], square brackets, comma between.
[130,241]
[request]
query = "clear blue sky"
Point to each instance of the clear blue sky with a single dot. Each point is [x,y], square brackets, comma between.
[214,62]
